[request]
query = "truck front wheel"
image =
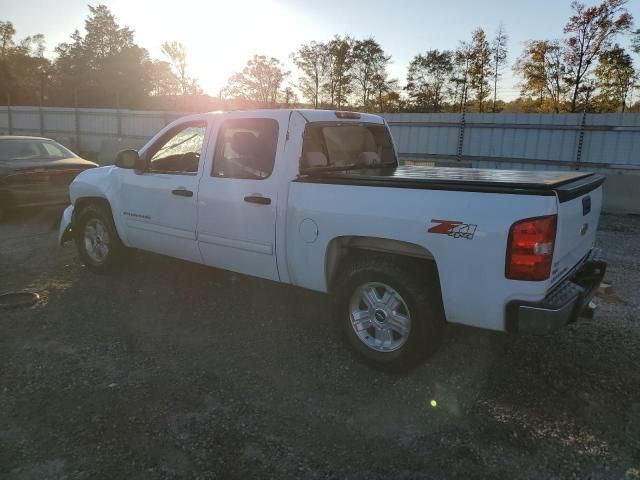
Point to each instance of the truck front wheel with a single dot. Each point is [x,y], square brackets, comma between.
[389,311]
[97,240]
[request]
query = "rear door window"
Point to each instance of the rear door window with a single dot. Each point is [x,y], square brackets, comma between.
[246,148]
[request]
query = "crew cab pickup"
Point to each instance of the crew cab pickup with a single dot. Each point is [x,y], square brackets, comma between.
[318,199]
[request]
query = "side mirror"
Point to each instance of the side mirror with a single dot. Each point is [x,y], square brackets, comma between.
[129,159]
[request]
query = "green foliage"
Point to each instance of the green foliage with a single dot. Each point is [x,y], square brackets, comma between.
[480,67]
[340,60]
[544,73]
[176,52]
[635,41]
[615,77]
[590,31]
[428,79]
[369,63]
[499,58]
[259,81]
[312,60]
[24,71]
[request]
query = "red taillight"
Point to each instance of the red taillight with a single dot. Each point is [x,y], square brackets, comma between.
[530,248]
[348,115]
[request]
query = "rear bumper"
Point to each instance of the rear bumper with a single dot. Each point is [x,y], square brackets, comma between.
[563,304]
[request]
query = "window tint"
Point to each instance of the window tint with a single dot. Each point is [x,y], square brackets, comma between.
[180,150]
[246,148]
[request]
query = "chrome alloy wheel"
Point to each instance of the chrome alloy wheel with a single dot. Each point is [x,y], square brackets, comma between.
[96,240]
[379,317]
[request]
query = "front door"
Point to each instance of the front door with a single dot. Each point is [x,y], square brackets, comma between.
[237,199]
[158,207]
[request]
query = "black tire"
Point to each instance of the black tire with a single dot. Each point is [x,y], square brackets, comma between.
[91,214]
[418,289]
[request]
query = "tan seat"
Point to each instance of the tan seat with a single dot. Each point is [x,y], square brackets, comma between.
[369,159]
[315,159]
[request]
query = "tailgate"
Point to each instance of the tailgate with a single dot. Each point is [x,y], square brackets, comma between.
[578,216]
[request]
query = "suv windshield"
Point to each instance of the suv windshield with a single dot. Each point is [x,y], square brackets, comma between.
[347,146]
[32,149]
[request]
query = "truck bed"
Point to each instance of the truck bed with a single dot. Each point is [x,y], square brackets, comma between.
[566,185]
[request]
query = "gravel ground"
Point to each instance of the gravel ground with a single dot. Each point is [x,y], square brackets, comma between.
[172,370]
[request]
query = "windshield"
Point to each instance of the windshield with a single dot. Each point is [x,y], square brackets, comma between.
[32,149]
[347,146]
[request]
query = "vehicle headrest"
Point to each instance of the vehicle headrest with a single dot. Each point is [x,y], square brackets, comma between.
[315,159]
[370,159]
[244,143]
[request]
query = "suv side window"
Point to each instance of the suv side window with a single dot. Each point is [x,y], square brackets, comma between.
[179,150]
[246,148]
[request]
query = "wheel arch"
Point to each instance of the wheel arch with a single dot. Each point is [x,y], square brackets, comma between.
[83,202]
[343,249]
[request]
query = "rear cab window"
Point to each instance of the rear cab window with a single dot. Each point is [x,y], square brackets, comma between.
[342,146]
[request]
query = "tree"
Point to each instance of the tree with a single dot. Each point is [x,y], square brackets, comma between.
[311,59]
[104,37]
[461,74]
[386,92]
[7,33]
[369,61]
[635,41]
[259,81]
[591,31]
[480,66]
[427,79]
[70,69]
[543,72]
[499,58]
[615,77]
[163,80]
[24,72]
[177,55]
[289,97]
[104,67]
[339,62]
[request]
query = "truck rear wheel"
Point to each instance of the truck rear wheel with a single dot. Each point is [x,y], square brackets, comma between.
[390,313]
[97,240]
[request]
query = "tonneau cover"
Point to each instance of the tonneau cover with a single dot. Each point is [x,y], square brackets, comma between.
[540,182]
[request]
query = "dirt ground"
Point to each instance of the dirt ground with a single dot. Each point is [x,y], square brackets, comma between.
[172,370]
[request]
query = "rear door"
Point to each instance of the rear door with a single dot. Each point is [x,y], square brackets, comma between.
[237,198]
[576,234]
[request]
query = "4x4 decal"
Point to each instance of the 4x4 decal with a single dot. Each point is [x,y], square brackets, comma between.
[453,228]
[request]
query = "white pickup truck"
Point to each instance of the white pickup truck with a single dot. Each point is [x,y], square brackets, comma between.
[317,199]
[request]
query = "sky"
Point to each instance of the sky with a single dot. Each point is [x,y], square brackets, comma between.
[221,35]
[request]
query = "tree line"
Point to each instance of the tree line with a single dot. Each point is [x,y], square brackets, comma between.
[584,69]
[102,68]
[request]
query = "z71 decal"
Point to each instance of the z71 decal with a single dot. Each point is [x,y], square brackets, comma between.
[453,228]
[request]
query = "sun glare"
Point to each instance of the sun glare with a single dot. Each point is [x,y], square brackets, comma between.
[220,36]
